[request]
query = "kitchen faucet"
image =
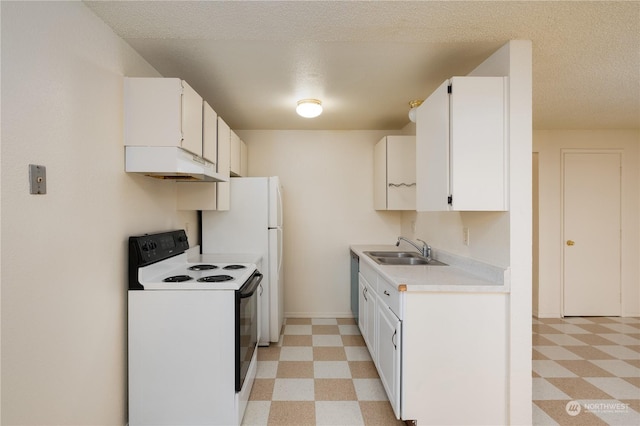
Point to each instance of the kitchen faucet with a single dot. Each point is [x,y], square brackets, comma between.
[425,250]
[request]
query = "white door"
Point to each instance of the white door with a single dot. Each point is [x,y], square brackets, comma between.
[592,233]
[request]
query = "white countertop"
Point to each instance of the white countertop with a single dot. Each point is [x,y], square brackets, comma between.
[461,274]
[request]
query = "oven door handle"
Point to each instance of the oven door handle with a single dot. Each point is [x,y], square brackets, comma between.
[250,286]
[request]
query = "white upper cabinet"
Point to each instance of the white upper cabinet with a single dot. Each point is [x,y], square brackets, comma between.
[209,134]
[235,162]
[238,163]
[394,173]
[162,112]
[461,146]
[244,159]
[223,189]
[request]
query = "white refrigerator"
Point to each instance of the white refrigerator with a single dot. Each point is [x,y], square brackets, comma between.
[253,224]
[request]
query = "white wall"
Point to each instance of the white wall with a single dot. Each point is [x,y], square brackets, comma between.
[549,144]
[327,179]
[64,253]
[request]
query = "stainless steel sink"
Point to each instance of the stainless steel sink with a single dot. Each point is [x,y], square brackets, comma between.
[401,258]
[392,254]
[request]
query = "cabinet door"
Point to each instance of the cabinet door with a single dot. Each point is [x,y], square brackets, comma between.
[362,307]
[432,151]
[367,314]
[380,175]
[152,111]
[223,189]
[162,112]
[244,159]
[461,146]
[370,318]
[235,154]
[477,143]
[394,173]
[401,173]
[388,353]
[191,120]
[209,134]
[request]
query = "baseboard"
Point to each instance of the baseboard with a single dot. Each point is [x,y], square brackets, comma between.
[554,315]
[318,315]
[548,315]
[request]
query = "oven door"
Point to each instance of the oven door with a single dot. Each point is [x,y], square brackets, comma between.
[246,326]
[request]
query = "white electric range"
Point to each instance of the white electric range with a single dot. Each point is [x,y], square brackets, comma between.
[193,333]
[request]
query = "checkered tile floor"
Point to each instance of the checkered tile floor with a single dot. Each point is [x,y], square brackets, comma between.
[320,373]
[586,371]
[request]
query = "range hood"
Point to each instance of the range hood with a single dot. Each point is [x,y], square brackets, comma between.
[170,163]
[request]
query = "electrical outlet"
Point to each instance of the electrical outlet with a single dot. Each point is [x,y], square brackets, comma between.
[413,226]
[465,236]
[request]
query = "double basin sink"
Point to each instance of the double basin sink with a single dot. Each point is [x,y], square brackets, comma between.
[401,258]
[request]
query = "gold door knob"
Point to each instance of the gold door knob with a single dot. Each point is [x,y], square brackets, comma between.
[570,242]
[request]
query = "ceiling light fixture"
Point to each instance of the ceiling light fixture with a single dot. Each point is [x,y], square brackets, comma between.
[413,106]
[309,108]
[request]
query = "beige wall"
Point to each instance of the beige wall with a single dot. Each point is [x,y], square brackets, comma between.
[549,143]
[327,179]
[64,253]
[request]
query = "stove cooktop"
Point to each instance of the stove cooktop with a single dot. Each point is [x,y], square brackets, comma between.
[178,273]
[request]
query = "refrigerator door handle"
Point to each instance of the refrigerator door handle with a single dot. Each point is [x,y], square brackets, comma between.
[280,212]
[280,249]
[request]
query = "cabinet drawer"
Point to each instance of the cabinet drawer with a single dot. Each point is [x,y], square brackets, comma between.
[370,275]
[389,295]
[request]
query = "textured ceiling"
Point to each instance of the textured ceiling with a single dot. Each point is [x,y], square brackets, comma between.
[366,60]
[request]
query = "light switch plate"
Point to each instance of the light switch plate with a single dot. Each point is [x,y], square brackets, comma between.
[37,179]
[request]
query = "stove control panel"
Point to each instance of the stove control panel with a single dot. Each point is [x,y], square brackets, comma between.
[147,249]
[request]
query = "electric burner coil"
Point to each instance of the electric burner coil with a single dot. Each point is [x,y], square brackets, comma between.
[203,267]
[215,279]
[177,279]
[234,267]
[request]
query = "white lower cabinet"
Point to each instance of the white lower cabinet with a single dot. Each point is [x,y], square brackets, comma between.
[381,329]
[437,350]
[389,339]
